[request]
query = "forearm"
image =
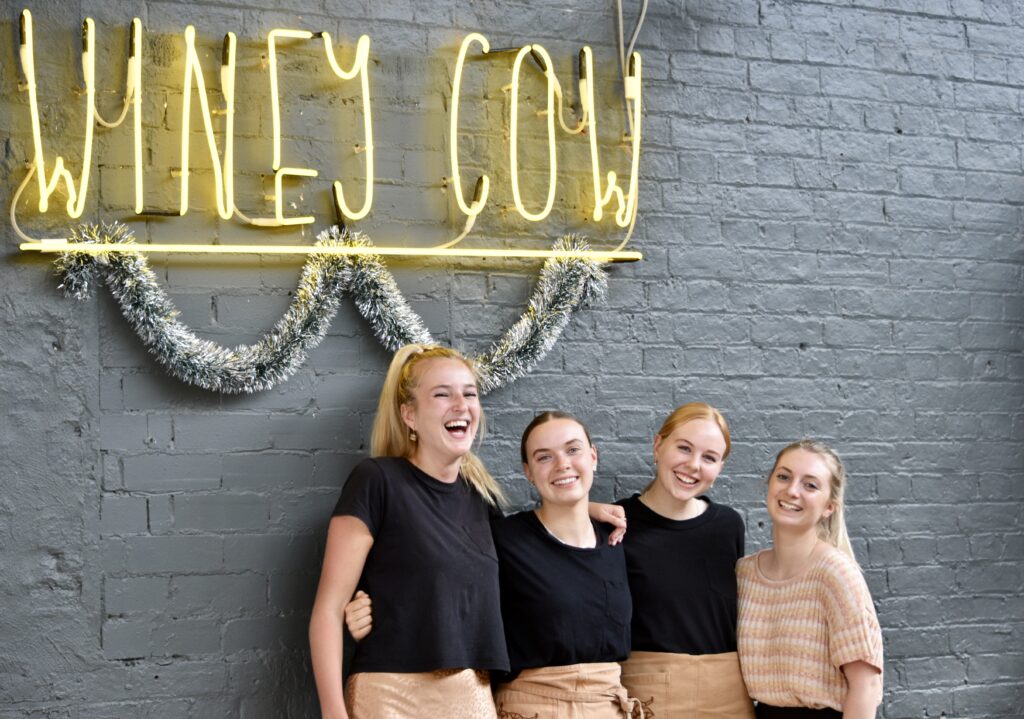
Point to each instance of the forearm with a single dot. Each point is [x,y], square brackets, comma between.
[325,644]
[860,703]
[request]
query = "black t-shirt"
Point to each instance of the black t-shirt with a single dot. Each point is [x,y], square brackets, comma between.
[432,571]
[682,577]
[560,604]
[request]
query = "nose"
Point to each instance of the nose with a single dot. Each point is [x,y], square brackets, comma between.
[792,489]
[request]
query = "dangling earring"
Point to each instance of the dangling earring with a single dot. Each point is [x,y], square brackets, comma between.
[412,435]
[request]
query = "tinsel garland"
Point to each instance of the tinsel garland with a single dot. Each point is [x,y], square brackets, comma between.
[564,286]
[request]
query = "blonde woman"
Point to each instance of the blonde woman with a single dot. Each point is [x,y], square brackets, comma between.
[809,640]
[412,528]
[681,553]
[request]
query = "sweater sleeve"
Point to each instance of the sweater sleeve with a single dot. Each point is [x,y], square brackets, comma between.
[854,632]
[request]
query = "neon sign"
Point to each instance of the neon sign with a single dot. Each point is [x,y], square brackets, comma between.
[608,194]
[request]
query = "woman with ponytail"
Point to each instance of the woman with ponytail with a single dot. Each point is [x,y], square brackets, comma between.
[809,640]
[412,528]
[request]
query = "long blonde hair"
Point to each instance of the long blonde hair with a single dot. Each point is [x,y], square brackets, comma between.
[831,529]
[390,436]
[689,412]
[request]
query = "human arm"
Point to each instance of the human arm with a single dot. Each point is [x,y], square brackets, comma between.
[348,544]
[612,514]
[863,682]
[359,616]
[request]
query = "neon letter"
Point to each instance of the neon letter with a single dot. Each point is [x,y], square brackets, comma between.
[514,132]
[485,181]
[360,66]
[223,179]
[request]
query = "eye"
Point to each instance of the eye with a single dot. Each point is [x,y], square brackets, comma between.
[782,477]
[543,457]
[471,393]
[710,459]
[684,448]
[574,450]
[440,394]
[811,485]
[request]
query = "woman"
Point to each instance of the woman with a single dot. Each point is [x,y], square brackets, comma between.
[564,593]
[681,553]
[809,639]
[412,528]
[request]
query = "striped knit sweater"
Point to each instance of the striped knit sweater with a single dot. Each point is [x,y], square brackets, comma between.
[794,635]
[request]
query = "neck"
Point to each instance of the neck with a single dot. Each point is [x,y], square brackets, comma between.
[445,470]
[792,552]
[569,523]
[663,503]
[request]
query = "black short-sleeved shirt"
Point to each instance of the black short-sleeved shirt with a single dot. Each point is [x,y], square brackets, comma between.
[432,571]
[561,604]
[682,577]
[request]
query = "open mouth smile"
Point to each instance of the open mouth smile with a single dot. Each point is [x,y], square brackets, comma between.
[565,482]
[457,427]
[790,507]
[686,479]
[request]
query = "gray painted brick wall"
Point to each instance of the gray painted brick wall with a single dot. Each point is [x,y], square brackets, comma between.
[831,201]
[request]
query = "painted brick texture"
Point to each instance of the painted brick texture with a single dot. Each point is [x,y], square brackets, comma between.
[831,211]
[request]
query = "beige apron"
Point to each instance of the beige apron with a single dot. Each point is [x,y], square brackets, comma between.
[690,686]
[444,694]
[577,691]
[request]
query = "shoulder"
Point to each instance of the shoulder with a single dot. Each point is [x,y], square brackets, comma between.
[746,567]
[840,574]
[726,515]
[632,505]
[512,525]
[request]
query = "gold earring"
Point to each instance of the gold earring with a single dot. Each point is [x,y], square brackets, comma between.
[412,435]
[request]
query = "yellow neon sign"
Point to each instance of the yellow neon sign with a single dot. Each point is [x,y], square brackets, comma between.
[609,193]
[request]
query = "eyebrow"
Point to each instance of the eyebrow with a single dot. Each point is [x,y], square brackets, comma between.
[448,386]
[805,476]
[545,449]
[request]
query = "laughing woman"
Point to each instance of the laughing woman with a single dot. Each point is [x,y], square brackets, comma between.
[412,528]
[809,639]
[564,593]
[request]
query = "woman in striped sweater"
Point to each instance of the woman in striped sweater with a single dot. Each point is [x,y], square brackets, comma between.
[808,637]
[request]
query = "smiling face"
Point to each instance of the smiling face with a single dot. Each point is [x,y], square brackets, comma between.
[799,490]
[688,460]
[560,461]
[444,411]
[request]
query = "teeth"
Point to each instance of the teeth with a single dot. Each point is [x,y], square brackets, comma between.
[685,480]
[563,482]
[457,424]
[791,507]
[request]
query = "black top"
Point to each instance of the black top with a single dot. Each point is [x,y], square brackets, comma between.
[432,571]
[682,577]
[560,604]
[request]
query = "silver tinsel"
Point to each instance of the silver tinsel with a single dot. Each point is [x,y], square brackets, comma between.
[564,286]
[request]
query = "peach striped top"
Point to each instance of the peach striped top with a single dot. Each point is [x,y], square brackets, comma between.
[793,635]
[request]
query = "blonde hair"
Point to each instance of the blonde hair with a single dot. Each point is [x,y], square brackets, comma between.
[831,529]
[390,436]
[696,410]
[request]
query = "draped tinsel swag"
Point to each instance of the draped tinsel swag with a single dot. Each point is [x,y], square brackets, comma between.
[564,285]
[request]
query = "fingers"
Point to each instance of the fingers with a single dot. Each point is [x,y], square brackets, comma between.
[616,536]
[359,616]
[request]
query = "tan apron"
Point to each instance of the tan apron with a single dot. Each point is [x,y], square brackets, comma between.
[444,694]
[576,691]
[690,686]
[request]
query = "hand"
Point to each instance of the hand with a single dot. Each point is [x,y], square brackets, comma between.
[611,514]
[359,616]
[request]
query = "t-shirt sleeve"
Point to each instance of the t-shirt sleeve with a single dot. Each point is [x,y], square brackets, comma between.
[854,632]
[364,496]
